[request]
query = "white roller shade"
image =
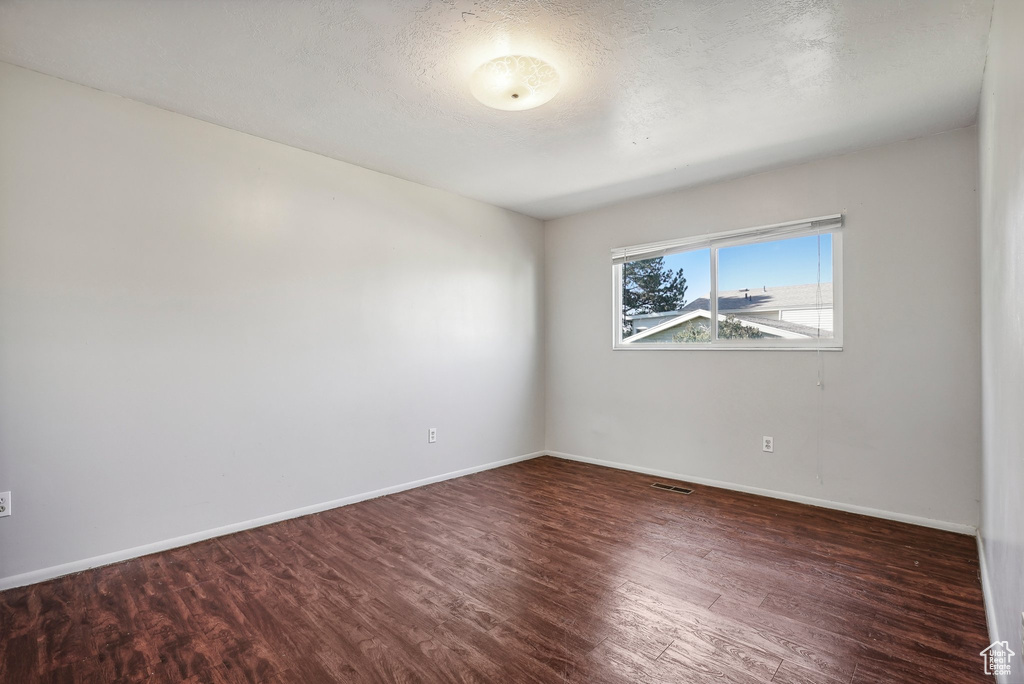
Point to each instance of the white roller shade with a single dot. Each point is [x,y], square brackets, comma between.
[821,224]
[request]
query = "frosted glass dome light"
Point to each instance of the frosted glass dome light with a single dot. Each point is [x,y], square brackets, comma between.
[514,82]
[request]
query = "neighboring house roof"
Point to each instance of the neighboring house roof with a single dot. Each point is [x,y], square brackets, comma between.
[773,329]
[804,330]
[766,298]
[785,297]
[659,314]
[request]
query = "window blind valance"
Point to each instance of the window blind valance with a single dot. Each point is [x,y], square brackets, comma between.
[651,250]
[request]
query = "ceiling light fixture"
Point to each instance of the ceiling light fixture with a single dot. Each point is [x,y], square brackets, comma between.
[514,82]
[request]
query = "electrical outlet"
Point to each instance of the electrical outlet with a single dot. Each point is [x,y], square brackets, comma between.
[432,435]
[5,504]
[768,444]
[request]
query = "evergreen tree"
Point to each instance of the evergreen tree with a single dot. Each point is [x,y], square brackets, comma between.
[649,287]
[730,328]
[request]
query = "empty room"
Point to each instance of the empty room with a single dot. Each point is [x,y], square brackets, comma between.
[594,341]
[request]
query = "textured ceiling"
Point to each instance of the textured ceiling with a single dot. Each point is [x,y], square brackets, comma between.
[656,94]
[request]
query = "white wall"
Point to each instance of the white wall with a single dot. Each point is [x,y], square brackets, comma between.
[898,425]
[181,339]
[1001,125]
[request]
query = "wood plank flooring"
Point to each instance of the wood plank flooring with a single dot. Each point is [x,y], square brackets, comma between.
[542,571]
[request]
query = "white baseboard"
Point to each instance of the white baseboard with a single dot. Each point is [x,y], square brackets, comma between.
[786,496]
[52,572]
[117,556]
[990,605]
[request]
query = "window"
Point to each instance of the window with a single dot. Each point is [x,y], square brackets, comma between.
[773,287]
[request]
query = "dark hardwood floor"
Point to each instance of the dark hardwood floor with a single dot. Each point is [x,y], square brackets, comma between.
[546,571]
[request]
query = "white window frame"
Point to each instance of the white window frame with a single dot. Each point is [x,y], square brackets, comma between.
[832,224]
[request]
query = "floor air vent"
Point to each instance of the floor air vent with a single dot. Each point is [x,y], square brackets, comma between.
[672,488]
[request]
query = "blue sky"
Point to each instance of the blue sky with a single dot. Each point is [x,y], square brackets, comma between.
[772,264]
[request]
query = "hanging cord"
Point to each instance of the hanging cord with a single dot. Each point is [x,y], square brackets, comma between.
[821,413]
